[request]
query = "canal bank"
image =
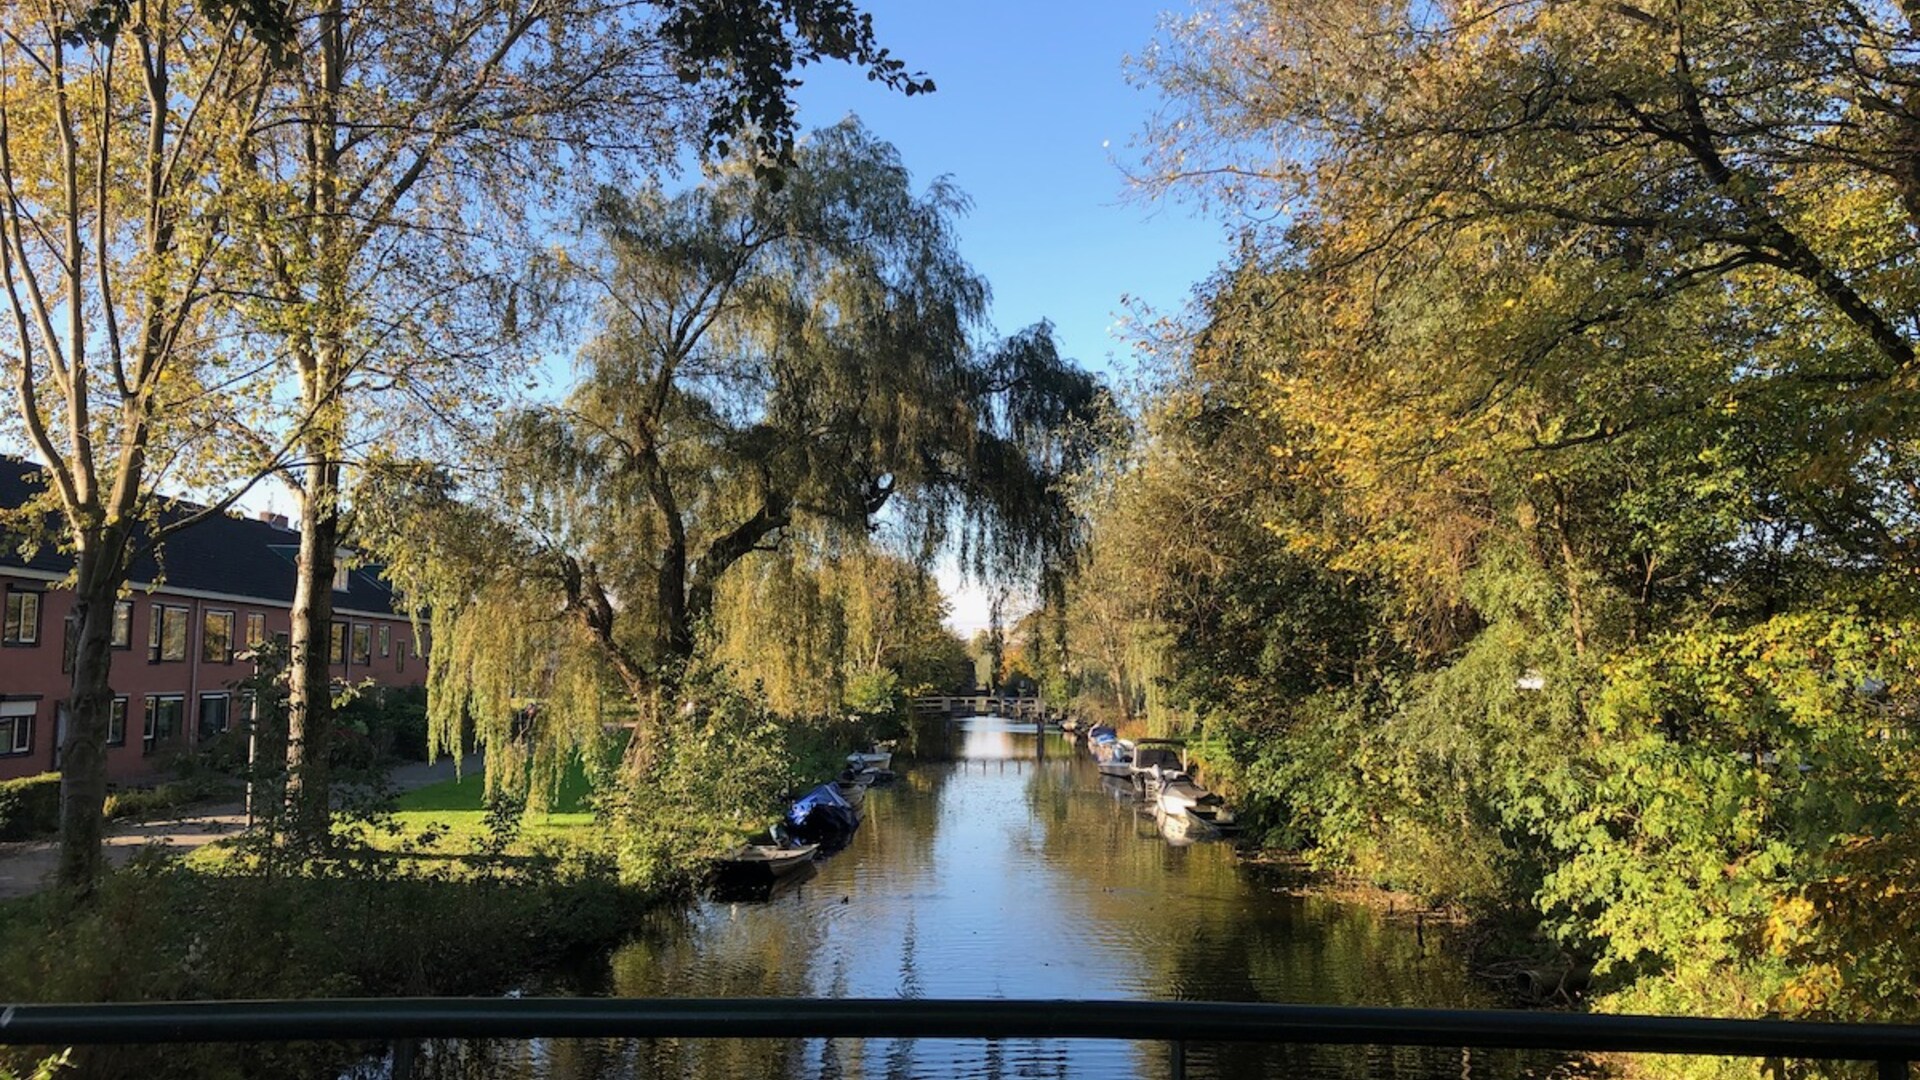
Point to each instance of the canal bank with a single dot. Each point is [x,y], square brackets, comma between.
[999,866]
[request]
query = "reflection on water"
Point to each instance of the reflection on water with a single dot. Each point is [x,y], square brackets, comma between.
[1001,865]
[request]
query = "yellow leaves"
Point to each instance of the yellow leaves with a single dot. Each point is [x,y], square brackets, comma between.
[1787,922]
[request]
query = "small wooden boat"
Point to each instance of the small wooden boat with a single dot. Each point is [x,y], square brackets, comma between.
[762,864]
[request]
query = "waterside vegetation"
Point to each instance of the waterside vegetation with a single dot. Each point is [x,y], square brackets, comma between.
[1524,518]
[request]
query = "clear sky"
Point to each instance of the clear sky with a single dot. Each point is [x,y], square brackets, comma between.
[1032,118]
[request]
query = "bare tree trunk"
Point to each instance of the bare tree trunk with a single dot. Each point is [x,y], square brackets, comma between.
[310,692]
[83,751]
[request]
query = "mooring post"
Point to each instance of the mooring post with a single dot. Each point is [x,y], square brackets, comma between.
[1177,1060]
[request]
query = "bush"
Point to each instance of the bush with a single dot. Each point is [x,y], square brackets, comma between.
[384,721]
[29,806]
[172,795]
[159,930]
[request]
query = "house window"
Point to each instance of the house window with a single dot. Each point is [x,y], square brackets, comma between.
[400,656]
[122,624]
[163,720]
[386,641]
[256,629]
[117,723]
[216,637]
[337,653]
[122,633]
[213,714]
[167,634]
[362,644]
[23,618]
[16,727]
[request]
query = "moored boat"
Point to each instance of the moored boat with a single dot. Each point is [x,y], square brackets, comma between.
[1155,758]
[874,759]
[1097,736]
[1115,759]
[853,787]
[1182,796]
[762,864]
[822,816]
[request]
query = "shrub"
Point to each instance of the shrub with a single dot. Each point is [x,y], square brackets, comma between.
[29,806]
[172,795]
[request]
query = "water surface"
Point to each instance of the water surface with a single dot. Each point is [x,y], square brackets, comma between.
[1001,866]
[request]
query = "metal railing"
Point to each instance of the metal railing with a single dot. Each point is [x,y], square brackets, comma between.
[1177,1023]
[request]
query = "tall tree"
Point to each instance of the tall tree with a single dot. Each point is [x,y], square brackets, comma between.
[119,128]
[1675,151]
[771,362]
[411,148]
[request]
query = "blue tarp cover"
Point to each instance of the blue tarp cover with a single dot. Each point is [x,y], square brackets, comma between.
[824,795]
[1102,734]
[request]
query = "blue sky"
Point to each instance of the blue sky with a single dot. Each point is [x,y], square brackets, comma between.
[1033,118]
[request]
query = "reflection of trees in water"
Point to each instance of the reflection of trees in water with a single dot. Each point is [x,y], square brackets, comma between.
[1167,922]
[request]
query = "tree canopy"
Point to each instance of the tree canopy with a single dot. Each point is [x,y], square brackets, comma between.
[790,372]
[1540,468]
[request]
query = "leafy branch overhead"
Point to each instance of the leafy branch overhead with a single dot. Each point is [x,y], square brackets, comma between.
[743,53]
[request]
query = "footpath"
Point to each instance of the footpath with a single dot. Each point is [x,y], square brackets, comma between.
[27,865]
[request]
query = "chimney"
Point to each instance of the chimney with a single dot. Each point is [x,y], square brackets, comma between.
[278,521]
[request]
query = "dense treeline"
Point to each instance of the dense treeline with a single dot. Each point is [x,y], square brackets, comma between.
[1526,517]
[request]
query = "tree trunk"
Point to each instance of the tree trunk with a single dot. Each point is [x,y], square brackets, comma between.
[83,752]
[310,691]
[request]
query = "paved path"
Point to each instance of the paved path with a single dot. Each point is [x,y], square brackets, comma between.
[25,866]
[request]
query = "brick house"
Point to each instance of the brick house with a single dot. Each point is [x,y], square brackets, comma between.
[214,589]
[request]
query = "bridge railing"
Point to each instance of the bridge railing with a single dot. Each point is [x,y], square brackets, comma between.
[1175,1023]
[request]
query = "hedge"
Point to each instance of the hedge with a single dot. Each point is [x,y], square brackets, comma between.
[29,806]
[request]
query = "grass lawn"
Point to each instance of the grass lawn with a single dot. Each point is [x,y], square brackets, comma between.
[455,811]
[448,821]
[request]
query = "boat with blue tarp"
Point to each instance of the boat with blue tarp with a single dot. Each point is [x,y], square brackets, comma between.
[823,817]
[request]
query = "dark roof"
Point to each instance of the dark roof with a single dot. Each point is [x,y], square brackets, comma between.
[223,554]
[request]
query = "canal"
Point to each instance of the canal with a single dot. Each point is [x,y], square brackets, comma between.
[1001,866]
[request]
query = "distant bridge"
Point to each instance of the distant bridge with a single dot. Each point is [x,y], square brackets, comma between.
[1014,707]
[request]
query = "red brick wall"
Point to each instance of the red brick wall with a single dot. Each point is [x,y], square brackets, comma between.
[33,673]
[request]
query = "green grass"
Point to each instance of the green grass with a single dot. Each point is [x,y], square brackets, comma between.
[468,793]
[454,814]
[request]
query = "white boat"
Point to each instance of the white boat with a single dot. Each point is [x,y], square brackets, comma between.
[878,759]
[1181,796]
[1114,758]
[1154,758]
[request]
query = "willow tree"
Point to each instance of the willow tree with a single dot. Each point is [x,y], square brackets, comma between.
[119,127]
[399,180]
[832,622]
[771,360]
